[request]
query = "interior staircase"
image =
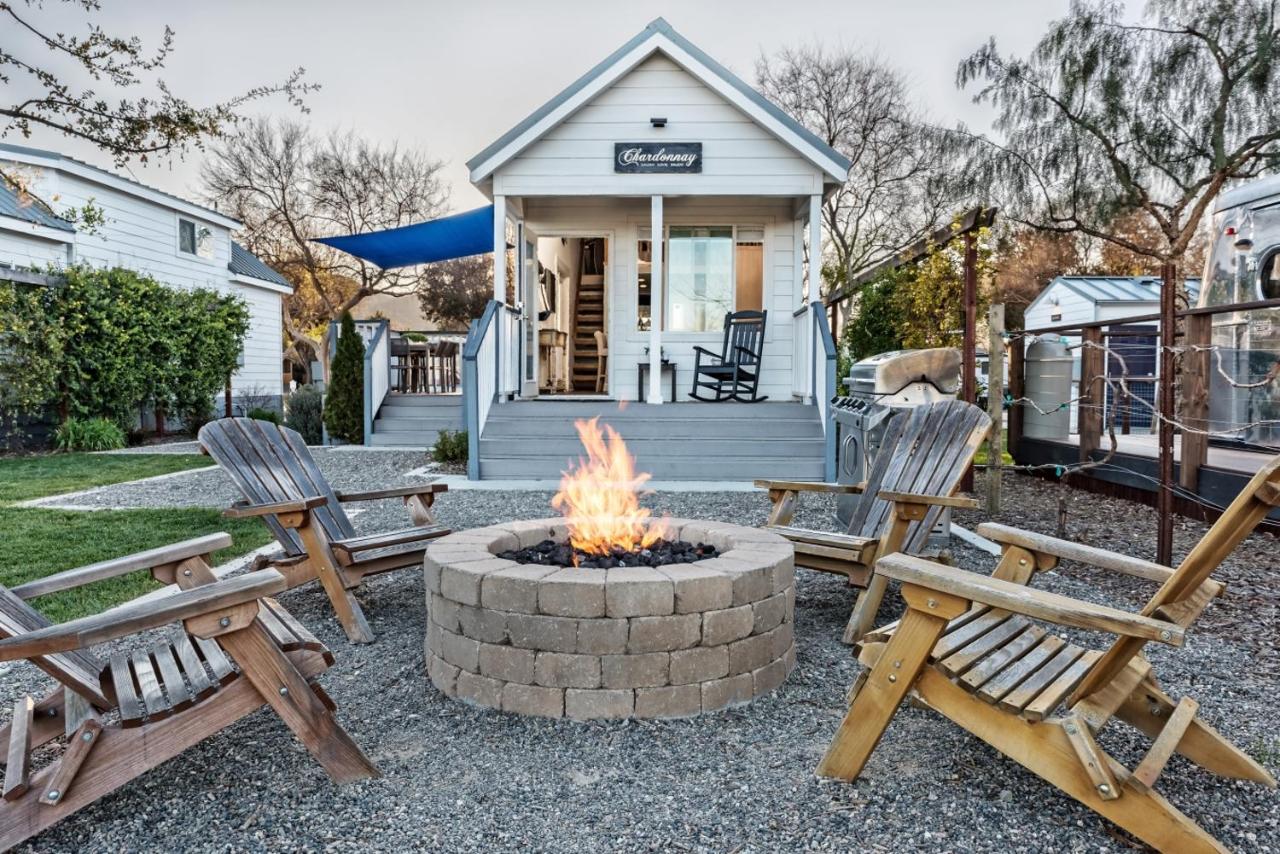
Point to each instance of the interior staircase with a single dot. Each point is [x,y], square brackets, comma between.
[588,318]
[415,420]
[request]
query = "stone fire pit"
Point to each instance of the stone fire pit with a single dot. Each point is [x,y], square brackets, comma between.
[642,642]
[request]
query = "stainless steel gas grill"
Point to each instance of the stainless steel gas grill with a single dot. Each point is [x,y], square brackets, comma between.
[877,387]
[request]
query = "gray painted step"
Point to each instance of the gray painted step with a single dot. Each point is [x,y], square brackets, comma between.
[421,401]
[656,448]
[727,468]
[655,429]
[416,425]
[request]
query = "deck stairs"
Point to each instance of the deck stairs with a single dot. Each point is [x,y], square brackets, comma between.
[536,439]
[415,420]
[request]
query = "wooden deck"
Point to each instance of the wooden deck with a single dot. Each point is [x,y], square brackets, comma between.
[1134,471]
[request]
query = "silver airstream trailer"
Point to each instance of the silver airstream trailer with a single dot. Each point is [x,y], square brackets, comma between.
[1244,266]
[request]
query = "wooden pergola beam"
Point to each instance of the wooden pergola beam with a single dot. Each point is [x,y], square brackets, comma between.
[965,223]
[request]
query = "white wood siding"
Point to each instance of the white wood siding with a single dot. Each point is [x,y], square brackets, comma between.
[739,156]
[622,221]
[26,250]
[140,234]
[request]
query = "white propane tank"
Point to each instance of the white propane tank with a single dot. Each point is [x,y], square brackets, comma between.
[1048,385]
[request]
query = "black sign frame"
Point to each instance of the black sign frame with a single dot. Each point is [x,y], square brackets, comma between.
[657,158]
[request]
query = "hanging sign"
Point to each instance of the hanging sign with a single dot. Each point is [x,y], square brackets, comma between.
[660,157]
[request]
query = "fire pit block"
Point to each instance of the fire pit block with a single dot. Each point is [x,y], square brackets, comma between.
[671,641]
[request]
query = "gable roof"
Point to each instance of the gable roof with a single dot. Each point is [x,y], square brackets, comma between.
[245,263]
[1112,289]
[57,160]
[661,37]
[18,203]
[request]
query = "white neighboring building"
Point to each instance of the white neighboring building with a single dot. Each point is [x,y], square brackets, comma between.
[180,244]
[1093,299]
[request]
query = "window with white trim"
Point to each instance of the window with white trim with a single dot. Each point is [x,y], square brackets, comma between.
[710,271]
[194,239]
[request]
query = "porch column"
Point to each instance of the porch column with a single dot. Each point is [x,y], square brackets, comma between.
[500,248]
[657,301]
[815,247]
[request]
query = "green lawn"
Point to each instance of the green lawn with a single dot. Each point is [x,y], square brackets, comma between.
[52,474]
[36,541]
[39,542]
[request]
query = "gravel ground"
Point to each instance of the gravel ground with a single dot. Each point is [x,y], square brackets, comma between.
[462,779]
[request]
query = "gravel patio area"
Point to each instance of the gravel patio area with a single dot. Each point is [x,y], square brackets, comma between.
[458,778]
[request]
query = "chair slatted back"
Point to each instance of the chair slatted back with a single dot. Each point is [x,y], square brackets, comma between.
[925,451]
[744,337]
[76,670]
[272,463]
[1258,498]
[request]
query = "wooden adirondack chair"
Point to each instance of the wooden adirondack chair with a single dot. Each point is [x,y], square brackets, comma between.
[282,484]
[236,651]
[913,478]
[967,648]
[734,372]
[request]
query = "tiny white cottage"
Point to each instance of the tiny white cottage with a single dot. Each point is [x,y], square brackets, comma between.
[631,214]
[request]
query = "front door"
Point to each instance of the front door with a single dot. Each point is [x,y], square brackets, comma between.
[529,293]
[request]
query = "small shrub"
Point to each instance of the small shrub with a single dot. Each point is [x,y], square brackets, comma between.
[451,447]
[90,434]
[305,413]
[260,414]
[344,408]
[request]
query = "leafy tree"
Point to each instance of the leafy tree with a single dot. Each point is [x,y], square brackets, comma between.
[878,323]
[1109,116]
[1028,261]
[862,107]
[289,186]
[77,86]
[453,293]
[344,403]
[930,297]
[205,352]
[31,341]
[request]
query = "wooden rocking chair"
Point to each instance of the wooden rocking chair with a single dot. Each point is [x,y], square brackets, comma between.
[914,477]
[734,372]
[282,484]
[236,652]
[968,649]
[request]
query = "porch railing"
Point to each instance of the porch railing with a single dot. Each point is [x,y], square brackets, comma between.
[377,376]
[490,370]
[822,360]
[801,364]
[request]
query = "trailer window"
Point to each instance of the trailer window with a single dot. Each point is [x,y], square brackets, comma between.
[1271,275]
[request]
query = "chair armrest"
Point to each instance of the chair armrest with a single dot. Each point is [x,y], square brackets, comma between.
[245,510]
[704,351]
[394,492]
[81,575]
[1038,604]
[1101,558]
[811,486]
[138,617]
[960,501]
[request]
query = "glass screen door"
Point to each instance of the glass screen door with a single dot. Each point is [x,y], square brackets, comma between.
[528,272]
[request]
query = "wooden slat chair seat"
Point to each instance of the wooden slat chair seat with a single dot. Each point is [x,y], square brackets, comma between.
[281,483]
[1003,658]
[911,482]
[236,650]
[978,650]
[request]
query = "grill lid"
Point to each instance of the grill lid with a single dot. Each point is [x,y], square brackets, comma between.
[890,373]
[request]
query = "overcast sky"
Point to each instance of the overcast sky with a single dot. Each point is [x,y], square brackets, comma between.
[451,77]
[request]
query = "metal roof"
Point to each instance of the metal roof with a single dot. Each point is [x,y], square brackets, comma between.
[27,151]
[245,263]
[659,25]
[23,205]
[1118,288]
[1257,190]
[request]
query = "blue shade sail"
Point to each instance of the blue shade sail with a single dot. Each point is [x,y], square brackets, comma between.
[456,236]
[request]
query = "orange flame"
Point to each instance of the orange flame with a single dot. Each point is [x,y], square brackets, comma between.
[600,497]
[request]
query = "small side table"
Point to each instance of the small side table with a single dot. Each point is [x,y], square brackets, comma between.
[643,371]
